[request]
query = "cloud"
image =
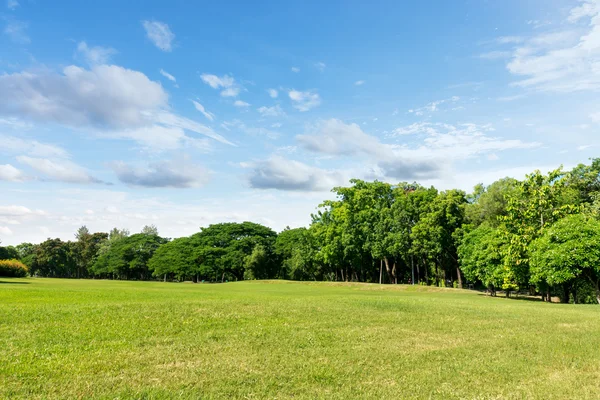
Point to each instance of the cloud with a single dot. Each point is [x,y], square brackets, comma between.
[320,66]
[253,131]
[167,75]
[159,138]
[304,101]
[204,112]
[566,60]
[95,55]
[162,174]
[12,4]
[274,111]
[18,211]
[295,69]
[595,117]
[102,96]
[240,103]
[442,145]
[359,83]
[273,93]
[282,174]
[59,170]
[5,230]
[106,98]
[225,82]
[509,39]
[433,106]
[11,144]
[11,174]
[160,34]
[15,30]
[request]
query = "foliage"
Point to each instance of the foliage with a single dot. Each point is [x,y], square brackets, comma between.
[567,251]
[13,268]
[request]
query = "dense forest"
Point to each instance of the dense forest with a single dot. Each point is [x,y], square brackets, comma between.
[540,236]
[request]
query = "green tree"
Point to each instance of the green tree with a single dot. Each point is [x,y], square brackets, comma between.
[481,256]
[568,251]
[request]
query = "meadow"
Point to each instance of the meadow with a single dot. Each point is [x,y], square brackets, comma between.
[67,339]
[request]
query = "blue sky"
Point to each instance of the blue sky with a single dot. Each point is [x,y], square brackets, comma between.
[122,114]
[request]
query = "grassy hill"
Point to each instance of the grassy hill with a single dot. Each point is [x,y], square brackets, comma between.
[115,339]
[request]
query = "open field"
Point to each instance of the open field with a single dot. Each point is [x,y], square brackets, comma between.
[115,339]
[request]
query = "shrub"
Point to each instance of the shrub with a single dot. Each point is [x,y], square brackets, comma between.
[13,268]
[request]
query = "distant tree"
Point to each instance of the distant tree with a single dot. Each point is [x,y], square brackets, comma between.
[8,253]
[481,256]
[175,258]
[150,230]
[568,251]
[54,258]
[488,204]
[128,257]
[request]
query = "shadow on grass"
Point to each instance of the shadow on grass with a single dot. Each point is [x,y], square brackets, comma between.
[14,283]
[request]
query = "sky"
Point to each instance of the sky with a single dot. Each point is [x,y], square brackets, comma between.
[179,114]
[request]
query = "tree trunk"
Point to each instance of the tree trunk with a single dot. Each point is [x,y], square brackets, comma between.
[394,273]
[460,284]
[548,295]
[165,278]
[223,277]
[566,294]
[380,270]
[412,267]
[390,274]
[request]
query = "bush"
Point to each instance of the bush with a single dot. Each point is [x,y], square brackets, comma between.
[13,268]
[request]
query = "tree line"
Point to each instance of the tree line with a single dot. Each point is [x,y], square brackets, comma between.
[540,235]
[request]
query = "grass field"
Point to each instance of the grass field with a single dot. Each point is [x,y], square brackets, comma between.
[257,340]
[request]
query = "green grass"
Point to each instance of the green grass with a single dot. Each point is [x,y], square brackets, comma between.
[256,340]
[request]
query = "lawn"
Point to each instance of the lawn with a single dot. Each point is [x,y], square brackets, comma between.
[257,340]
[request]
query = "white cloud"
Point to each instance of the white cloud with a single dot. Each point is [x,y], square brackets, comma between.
[273,93]
[204,112]
[12,4]
[249,130]
[95,55]
[565,60]
[59,170]
[240,103]
[11,144]
[595,117]
[162,174]
[11,174]
[442,145]
[15,30]
[5,230]
[105,98]
[320,66]
[274,111]
[167,75]
[433,106]
[159,138]
[104,95]
[304,101]
[282,174]
[230,92]
[509,39]
[18,211]
[276,125]
[160,34]
[295,69]
[359,83]
[225,82]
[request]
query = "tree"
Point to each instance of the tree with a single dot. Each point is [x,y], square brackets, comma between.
[86,249]
[488,204]
[175,257]
[537,202]
[127,257]
[53,258]
[481,256]
[8,253]
[568,251]
[150,230]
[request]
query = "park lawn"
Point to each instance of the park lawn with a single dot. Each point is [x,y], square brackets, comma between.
[265,340]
